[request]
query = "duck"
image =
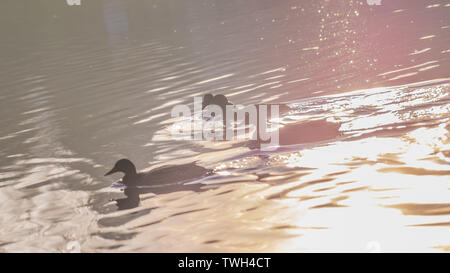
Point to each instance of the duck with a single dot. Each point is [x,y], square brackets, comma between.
[168,179]
[292,134]
[219,100]
[165,175]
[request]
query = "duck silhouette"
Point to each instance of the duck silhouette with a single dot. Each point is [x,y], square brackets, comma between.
[160,180]
[219,100]
[170,174]
[296,133]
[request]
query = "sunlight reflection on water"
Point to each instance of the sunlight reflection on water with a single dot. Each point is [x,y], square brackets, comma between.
[366,161]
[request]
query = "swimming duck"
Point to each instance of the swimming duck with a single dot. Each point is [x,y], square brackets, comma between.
[167,179]
[170,174]
[219,100]
[295,133]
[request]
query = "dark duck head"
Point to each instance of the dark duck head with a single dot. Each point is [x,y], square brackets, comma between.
[219,100]
[126,167]
[207,100]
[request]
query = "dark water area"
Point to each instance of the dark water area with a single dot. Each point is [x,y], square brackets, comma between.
[83,86]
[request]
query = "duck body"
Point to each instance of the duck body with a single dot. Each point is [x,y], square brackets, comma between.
[297,133]
[165,175]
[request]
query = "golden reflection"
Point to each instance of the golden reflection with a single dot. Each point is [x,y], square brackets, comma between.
[382,183]
[364,170]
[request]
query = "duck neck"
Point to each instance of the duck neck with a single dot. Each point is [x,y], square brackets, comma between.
[130,174]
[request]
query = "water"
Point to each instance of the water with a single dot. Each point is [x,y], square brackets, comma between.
[83,86]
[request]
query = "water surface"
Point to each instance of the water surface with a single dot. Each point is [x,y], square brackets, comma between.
[83,86]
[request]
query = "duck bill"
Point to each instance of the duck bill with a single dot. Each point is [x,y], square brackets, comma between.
[111,172]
